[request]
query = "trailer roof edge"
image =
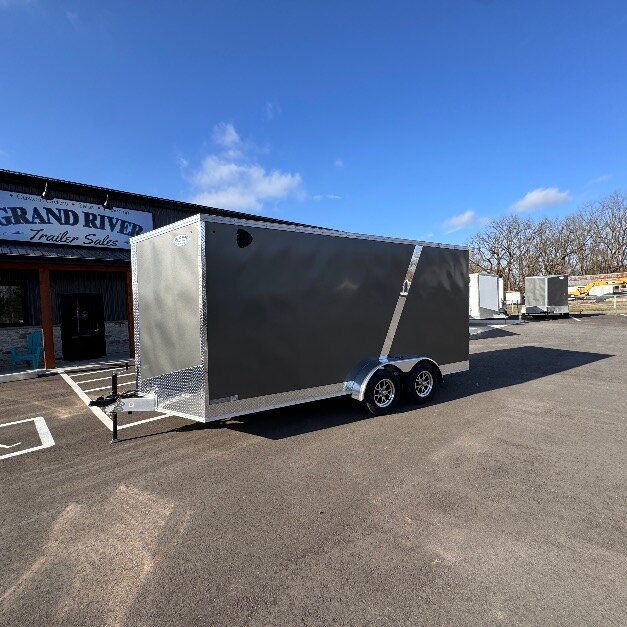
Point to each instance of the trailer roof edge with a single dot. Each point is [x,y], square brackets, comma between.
[314,230]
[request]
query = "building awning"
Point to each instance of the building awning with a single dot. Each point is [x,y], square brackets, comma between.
[74,253]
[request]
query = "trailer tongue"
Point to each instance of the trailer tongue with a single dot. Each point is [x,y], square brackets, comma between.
[233,317]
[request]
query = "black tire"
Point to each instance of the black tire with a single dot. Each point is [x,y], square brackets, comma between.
[422,382]
[383,392]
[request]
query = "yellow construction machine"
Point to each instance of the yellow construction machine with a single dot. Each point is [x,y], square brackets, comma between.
[583,291]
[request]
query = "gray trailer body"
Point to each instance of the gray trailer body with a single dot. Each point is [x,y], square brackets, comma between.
[234,316]
[546,295]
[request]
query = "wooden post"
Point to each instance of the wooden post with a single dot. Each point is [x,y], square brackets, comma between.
[45,308]
[129,314]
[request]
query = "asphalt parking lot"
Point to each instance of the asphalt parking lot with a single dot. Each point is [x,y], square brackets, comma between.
[504,502]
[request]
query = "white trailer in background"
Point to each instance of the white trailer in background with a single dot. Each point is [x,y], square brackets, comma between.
[513,298]
[604,290]
[485,296]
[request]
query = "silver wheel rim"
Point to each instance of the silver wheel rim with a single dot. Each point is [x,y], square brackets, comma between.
[423,383]
[384,392]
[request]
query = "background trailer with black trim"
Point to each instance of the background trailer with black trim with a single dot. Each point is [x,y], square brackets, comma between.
[234,316]
[546,295]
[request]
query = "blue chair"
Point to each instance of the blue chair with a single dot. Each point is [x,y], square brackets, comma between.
[33,352]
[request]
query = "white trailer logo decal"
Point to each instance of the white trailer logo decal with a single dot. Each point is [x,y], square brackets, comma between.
[181,240]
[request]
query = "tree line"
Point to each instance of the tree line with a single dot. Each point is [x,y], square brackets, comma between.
[592,240]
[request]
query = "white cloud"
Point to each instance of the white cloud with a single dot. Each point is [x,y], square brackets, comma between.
[327,197]
[539,198]
[231,179]
[181,161]
[273,110]
[338,164]
[459,221]
[599,179]
[225,135]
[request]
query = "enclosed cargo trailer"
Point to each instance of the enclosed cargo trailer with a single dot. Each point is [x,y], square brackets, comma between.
[513,298]
[234,316]
[485,298]
[546,295]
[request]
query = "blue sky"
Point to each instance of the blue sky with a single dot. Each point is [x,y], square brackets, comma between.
[414,119]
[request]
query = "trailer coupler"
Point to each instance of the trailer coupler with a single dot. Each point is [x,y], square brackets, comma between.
[127,401]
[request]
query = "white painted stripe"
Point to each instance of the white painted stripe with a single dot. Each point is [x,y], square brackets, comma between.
[623,315]
[576,319]
[42,430]
[108,387]
[74,373]
[104,419]
[95,365]
[130,374]
[139,422]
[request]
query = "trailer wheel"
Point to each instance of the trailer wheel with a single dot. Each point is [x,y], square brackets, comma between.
[382,393]
[422,383]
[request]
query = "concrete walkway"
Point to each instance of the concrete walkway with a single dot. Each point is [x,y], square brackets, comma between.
[69,366]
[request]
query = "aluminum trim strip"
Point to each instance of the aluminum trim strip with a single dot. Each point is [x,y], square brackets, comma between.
[400,303]
[320,231]
[136,321]
[204,314]
[230,409]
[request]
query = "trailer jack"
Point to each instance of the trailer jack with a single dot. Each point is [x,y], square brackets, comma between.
[126,402]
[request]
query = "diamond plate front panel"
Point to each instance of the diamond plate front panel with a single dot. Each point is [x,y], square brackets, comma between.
[182,392]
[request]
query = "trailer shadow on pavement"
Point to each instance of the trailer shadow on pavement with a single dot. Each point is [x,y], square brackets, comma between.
[485,334]
[489,370]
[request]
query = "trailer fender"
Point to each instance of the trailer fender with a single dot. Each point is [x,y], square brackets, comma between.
[358,380]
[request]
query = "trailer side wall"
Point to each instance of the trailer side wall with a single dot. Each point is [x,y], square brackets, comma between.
[292,310]
[535,291]
[435,318]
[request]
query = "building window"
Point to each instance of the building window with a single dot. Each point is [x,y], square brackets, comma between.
[11,305]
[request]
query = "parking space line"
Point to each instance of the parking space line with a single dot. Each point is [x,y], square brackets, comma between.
[42,430]
[77,373]
[104,419]
[108,387]
[576,319]
[141,422]
[130,374]
[101,415]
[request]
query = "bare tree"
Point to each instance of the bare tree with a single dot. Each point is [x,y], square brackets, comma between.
[590,241]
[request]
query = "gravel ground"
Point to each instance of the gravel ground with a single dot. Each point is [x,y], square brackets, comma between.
[502,502]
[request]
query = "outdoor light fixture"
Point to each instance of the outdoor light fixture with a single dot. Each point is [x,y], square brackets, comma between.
[107,203]
[46,195]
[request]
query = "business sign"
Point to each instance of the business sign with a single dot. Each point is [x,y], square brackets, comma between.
[28,218]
